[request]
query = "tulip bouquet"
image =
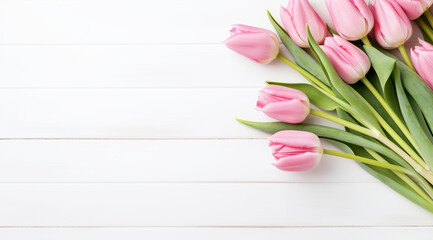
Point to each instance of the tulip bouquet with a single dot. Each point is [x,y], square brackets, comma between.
[384,101]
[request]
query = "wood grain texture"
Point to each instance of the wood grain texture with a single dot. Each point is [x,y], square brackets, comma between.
[218,204]
[132,66]
[126,113]
[309,233]
[129,161]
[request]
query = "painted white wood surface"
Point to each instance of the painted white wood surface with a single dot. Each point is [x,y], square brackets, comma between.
[117,122]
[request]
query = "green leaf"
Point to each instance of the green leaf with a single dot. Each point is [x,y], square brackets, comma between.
[420,117]
[412,122]
[331,133]
[417,88]
[301,57]
[364,114]
[316,97]
[386,176]
[382,64]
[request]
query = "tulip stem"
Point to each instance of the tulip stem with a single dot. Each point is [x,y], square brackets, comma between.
[305,73]
[429,17]
[367,161]
[366,41]
[417,163]
[391,131]
[408,180]
[423,25]
[391,112]
[405,56]
[345,123]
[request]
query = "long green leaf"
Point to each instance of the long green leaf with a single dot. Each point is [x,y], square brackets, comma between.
[364,114]
[331,133]
[412,122]
[316,97]
[382,64]
[417,88]
[301,57]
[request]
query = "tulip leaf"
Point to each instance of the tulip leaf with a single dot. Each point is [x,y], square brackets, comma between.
[364,114]
[301,57]
[331,133]
[386,176]
[382,64]
[415,128]
[316,97]
[420,117]
[417,88]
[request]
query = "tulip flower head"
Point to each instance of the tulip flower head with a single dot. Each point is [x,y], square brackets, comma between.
[284,104]
[414,8]
[352,19]
[350,62]
[296,16]
[392,28]
[296,150]
[422,60]
[254,43]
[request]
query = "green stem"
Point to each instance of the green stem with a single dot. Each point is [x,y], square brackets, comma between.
[305,73]
[423,25]
[405,56]
[391,132]
[324,89]
[429,17]
[420,167]
[345,123]
[366,41]
[367,161]
[391,112]
[407,180]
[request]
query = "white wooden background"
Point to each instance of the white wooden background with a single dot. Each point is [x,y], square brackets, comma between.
[117,122]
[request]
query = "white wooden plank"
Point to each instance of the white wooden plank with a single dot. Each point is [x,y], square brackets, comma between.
[310,233]
[148,113]
[158,161]
[134,66]
[128,21]
[328,204]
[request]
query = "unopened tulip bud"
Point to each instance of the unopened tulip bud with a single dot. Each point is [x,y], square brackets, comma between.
[392,27]
[296,150]
[284,104]
[422,60]
[350,62]
[352,19]
[296,16]
[254,43]
[414,8]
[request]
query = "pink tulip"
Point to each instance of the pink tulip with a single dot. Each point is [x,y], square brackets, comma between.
[414,8]
[254,43]
[295,18]
[296,150]
[352,19]
[392,27]
[422,60]
[350,62]
[284,104]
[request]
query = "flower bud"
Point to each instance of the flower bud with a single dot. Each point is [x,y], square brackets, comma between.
[422,61]
[295,18]
[392,27]
[414,8]
[352,19]
[350,62]
[254,43]
[284,104]
[296,150]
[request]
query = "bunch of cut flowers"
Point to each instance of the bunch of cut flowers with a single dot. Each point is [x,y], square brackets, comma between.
[383,100]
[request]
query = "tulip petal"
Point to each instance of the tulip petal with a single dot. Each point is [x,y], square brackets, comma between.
[301,162]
